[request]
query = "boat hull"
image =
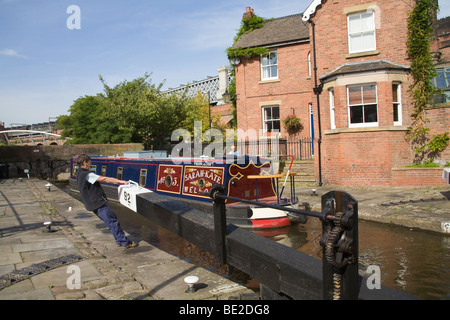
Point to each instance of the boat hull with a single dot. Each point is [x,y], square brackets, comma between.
[190,184]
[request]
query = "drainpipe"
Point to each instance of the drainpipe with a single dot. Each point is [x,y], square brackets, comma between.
[317,91]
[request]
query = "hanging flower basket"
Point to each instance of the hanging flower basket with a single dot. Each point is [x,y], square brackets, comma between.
[292,124]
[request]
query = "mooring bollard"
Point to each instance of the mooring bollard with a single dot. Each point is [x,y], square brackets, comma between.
[191,281]
[48,186]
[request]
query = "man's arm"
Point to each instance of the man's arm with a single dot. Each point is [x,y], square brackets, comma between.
[111,180]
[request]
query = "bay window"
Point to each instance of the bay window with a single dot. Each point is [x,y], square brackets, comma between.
[362,105]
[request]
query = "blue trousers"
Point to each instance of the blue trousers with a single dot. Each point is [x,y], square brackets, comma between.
[110,219]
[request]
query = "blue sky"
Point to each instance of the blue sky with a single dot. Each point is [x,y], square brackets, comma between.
[45,66]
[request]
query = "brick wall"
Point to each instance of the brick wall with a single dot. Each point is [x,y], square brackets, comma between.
[440,123]
[364,156]
[415,177]
[292,91]
[332,41]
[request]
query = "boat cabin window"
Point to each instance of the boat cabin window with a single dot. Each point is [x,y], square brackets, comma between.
[74,169]
[103,172]
[119,173]
[143,177]
[93,168]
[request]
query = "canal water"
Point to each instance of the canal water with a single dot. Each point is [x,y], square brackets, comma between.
[413,261]
[416,262]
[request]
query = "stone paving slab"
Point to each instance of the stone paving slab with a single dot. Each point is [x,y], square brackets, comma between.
[422,208]
[108,272]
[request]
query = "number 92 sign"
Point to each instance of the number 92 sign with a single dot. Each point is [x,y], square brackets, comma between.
[127,194]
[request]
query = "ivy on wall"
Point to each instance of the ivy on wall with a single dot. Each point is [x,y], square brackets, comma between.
[247,25]
[420,33]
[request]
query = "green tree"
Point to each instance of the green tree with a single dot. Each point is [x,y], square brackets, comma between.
[89,122]
[133,111]
[148,114]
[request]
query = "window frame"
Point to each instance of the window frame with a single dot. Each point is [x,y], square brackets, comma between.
[119,173]
[445,91]
[349,107]
[397,104]
[272,120]
[332,109]
[143,177]
[269,66]
[371,30]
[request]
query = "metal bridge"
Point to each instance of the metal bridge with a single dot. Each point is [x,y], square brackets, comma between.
[33,137]
[212,86]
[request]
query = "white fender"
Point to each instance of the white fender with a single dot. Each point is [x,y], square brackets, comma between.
[128,192]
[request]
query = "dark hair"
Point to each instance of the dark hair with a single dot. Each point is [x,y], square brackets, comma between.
[83,158]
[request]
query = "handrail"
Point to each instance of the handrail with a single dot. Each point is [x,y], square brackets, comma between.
[265,176]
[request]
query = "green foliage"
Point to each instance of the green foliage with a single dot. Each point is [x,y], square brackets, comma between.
[246,52]
[292,124]
[426,164]
[132,111]
[420,32]
[89,122]
[437,144]
[247,25]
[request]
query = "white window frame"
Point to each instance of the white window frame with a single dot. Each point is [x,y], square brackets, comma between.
[268,66]
[265,121]
[398,103]
[332,109]
[362,124]
[309,64]
[364,31]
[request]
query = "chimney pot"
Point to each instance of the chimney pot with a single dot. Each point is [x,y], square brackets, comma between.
[248,13]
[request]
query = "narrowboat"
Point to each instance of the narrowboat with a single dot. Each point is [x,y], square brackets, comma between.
[189,180]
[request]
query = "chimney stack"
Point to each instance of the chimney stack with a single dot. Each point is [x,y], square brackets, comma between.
[248,13]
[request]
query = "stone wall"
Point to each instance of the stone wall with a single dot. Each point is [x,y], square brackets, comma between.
[50,161]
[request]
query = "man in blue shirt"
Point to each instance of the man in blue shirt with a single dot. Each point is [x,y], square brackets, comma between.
[94,199]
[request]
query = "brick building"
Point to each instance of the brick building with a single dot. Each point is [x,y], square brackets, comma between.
[272,87]
[363,110]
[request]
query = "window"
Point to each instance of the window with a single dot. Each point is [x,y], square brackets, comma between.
[361,31]
[442,82]
[271,118]
[362,105]
[332,116]
[269,66]
[309,64]
[119,173]
[396,99]
[143,177]
[93,168]
[103,172]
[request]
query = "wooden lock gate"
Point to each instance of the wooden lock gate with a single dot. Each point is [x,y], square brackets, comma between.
[283,272]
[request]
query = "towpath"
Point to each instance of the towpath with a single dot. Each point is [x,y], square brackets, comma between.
[80,252]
